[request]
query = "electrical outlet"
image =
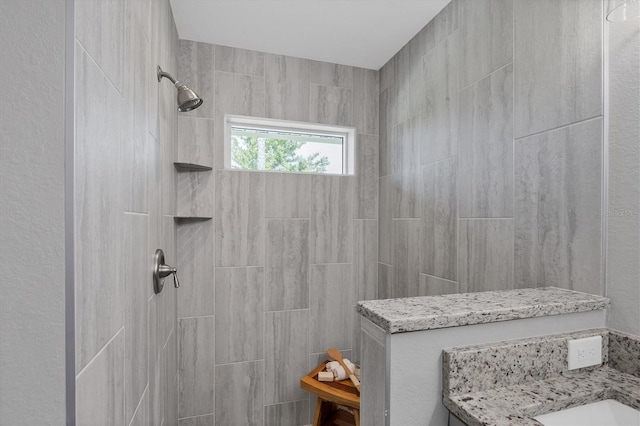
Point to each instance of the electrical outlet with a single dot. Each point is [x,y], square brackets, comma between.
[585,352]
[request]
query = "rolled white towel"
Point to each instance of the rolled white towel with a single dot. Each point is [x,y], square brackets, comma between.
[337,370]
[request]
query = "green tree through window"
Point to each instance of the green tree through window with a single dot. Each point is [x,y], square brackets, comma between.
[274,154]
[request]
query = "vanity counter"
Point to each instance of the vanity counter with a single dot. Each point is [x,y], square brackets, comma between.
[452,310]
[514,381]
[519,404]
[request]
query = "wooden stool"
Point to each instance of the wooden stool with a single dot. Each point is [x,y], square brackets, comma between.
[330,396]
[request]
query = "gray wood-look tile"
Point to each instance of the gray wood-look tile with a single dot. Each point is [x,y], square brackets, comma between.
[558,194]
[195,269]
[486,38]
[286,345]
[287,87]
[486,147]
[136,256]
[169,295]
[373,374]
[387,134]
[440,71]
[100,28]
[195,69]
[365,259]
[287,264]
[100,387]
[207,420]
[365,101]
[239,61]
[328,74]
[136,169]
[408,140]
[238,94]
[385,281]
[440,27]
[366,197]
[171,380]
[155,405]
[406,257]
[288,414]
[387,74]
[195,370]
[137,139]
[155,202]
[558,63]
[356,341]
[239,224]
[195,141]
[194,193]
[287,195]
[141,416]
[99,206]
[158,52]
[439,219]
[166,137]
[330,105]
[156,363]
[385,221]
[409,82]
[330,238]
[239,314]
[331,300]
[140,11]
[435,286]
[239,394]
[485,254]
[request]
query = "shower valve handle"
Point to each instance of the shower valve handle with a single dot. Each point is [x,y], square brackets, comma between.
[161,271]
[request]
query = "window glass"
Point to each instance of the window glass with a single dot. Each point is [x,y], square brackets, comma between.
[285,147]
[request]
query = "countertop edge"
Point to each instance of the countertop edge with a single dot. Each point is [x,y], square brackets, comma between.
[410,323]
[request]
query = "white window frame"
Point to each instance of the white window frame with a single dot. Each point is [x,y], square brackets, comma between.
[347,133]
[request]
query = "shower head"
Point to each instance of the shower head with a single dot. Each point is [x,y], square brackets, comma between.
[187,98]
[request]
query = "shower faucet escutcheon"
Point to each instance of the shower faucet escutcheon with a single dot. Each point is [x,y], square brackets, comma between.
[161,271]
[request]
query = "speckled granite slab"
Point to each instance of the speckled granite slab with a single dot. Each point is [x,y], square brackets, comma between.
[451,310]
[518,404]
[511,362]
[511,382]
[624,352]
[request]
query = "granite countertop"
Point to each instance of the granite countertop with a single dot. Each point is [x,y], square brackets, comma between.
[451,310]
[511,382]
[518,404]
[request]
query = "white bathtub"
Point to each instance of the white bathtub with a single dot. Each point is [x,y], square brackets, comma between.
[608,412]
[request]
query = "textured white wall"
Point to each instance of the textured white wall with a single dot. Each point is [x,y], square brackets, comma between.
[623,267]
[32,278]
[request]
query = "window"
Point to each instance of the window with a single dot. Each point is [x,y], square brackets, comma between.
[287,146]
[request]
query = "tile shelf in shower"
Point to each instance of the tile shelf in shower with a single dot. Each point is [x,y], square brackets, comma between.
[183,219]
[191,167]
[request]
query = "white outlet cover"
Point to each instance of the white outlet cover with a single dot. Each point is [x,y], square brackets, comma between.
[585,352]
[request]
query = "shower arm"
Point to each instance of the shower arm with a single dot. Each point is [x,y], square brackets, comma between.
[162,73]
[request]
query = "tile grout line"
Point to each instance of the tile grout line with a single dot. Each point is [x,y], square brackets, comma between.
[558,128]
[102,349]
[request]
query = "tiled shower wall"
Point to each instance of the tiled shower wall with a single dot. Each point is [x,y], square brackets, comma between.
[126,345]
[623,268]
[491,139]
[271,281]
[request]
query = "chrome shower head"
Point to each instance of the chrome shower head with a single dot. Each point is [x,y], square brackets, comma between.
[187,98]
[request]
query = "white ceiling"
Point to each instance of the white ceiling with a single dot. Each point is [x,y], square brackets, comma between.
[361,33]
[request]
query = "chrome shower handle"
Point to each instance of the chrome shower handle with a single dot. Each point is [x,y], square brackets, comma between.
[161,271]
